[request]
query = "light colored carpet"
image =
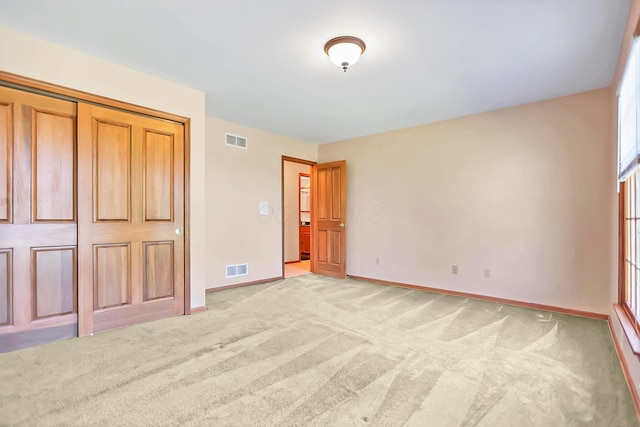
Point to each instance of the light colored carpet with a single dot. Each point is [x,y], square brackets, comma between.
[313,350]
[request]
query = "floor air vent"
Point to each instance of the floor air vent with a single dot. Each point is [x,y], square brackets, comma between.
[235,140]
[237,270]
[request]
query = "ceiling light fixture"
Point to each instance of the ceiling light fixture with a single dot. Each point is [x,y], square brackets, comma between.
[344,51]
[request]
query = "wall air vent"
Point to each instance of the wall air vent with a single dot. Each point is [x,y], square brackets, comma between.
[235,140]
[237,270]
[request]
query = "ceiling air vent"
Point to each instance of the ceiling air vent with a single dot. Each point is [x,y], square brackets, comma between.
[235,140]
[237,270]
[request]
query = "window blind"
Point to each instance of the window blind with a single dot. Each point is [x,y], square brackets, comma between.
[628,120]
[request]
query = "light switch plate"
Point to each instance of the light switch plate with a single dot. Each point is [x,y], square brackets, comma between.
[264,208]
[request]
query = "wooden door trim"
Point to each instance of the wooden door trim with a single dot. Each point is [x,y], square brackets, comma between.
[187,216]
[296,160]
[293,160]
[57,91]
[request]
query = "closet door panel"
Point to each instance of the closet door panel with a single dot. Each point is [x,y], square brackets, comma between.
[136,226]
[53,166]
[54,273]
[158,273]
[5,287]
[112,171]
[38,232]
[158,153]
[6,143]
[112,275]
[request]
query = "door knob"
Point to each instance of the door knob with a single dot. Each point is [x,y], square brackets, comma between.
[342,225]
[178,231]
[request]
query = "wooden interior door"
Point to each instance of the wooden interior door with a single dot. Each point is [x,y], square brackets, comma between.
[329,235]
[130,218]
[38,230]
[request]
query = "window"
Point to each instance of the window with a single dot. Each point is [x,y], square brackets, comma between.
[628,117]
[631,251]
[629,176]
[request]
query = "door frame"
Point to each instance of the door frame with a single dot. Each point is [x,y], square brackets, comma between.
[40,87]
[312,165]
[300,175]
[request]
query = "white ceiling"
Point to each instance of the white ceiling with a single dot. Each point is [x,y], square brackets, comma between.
[262,64]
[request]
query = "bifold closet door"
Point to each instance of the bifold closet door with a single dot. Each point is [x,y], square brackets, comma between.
[38,243]
[130,218]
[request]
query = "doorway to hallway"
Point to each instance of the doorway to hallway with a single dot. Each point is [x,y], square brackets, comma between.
[297,268]
[296,216]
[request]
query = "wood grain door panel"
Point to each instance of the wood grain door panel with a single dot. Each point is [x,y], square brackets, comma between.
[158,281]
[38,232]
[54,281]
[335,247]
[322,188]
[6,165]
[158,162]
[329,223]
[322,243]
[53,152]
[5,287]
[337,192]
[111,171]
[112,275]
[132,167]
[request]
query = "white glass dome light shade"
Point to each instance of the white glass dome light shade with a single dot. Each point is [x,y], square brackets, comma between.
[344,51]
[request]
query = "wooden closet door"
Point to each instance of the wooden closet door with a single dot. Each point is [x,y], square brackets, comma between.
[38,244]
[130,218]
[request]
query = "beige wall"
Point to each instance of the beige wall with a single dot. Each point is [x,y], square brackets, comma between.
[631,359]
[35,58]
[521,191]
[291,211]
[236,181]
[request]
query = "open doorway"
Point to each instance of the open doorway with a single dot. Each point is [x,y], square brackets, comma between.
[297,216]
